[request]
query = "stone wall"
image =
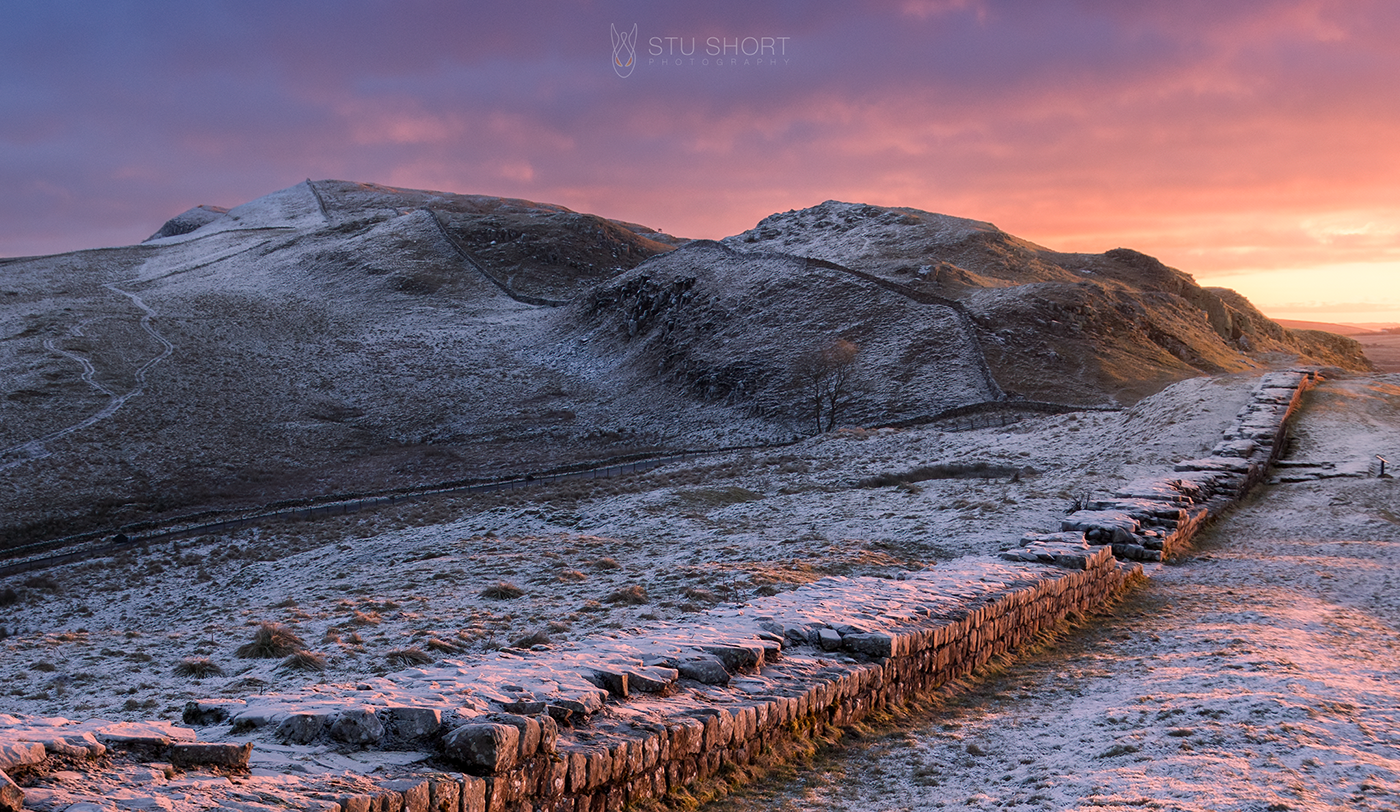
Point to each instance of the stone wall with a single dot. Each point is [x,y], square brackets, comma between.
[609,722]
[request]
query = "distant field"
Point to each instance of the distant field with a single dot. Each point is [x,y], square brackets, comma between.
[1339,329]
[1383,350]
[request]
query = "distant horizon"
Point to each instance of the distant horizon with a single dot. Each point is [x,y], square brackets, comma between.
[1251,145]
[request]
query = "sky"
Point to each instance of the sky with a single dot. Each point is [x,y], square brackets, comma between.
[1254,145]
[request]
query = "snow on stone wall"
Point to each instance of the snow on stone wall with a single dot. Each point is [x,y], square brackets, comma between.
[601,724]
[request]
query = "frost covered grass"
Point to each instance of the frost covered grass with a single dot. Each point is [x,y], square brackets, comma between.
[271,640]
[685,537]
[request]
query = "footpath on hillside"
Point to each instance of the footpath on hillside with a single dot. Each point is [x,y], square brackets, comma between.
[1261,673]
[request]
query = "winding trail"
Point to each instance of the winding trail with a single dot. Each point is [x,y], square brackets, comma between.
[36,449]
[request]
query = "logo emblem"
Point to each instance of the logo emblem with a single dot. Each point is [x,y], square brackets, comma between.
[624,50]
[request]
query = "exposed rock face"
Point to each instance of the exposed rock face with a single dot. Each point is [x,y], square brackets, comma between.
[188,221]
[729,326]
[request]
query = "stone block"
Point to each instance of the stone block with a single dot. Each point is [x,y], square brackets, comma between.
[738,657]
[600,767]
[20,754]
[1102,526]
[654,679]
[870,644]
[578,770]
[76,745]
[687,736]
[614,682]
[216,754]
[473,794]
[620,752]
[256,716]
[11,796]
[529,728]
[719,727]
[560,714]
[549,734]
[415,793]
[490,746]
[444,794]
[357,803]
[527,707]
[302,728]
[359,726]
[412,722]
[651,751]
[505,790]
[149,737]
[211,711]
[705,670]
[554,778]
[828,639]
[583,704]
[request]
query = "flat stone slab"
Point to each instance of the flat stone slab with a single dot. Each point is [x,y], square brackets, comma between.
[218,754]
[1233,464]
[15,753]
[143,734]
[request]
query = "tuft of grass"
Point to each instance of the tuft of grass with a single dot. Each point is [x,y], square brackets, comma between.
[947,470]
[697,594]
[8,596]
[438,644]
[304,661]
[198,668]
[502,591]
[717,497]
[44,583]
[606,564]
[271,640]
[633,595]
[536,638]
[45,666]
[567,575]
[405,657]
[365,619]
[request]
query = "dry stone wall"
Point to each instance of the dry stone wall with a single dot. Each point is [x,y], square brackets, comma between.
[602,724]
[1149,518]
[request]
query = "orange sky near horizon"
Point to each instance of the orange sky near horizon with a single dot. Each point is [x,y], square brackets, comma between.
[1254,145]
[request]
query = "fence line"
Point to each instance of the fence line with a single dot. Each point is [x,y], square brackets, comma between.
[120,540]
[977,416]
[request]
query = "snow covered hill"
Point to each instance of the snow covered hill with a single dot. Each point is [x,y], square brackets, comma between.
[339,337]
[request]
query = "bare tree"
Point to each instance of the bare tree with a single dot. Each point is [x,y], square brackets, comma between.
[825,379]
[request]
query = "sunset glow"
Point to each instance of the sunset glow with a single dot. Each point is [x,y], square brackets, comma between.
[1252,145]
